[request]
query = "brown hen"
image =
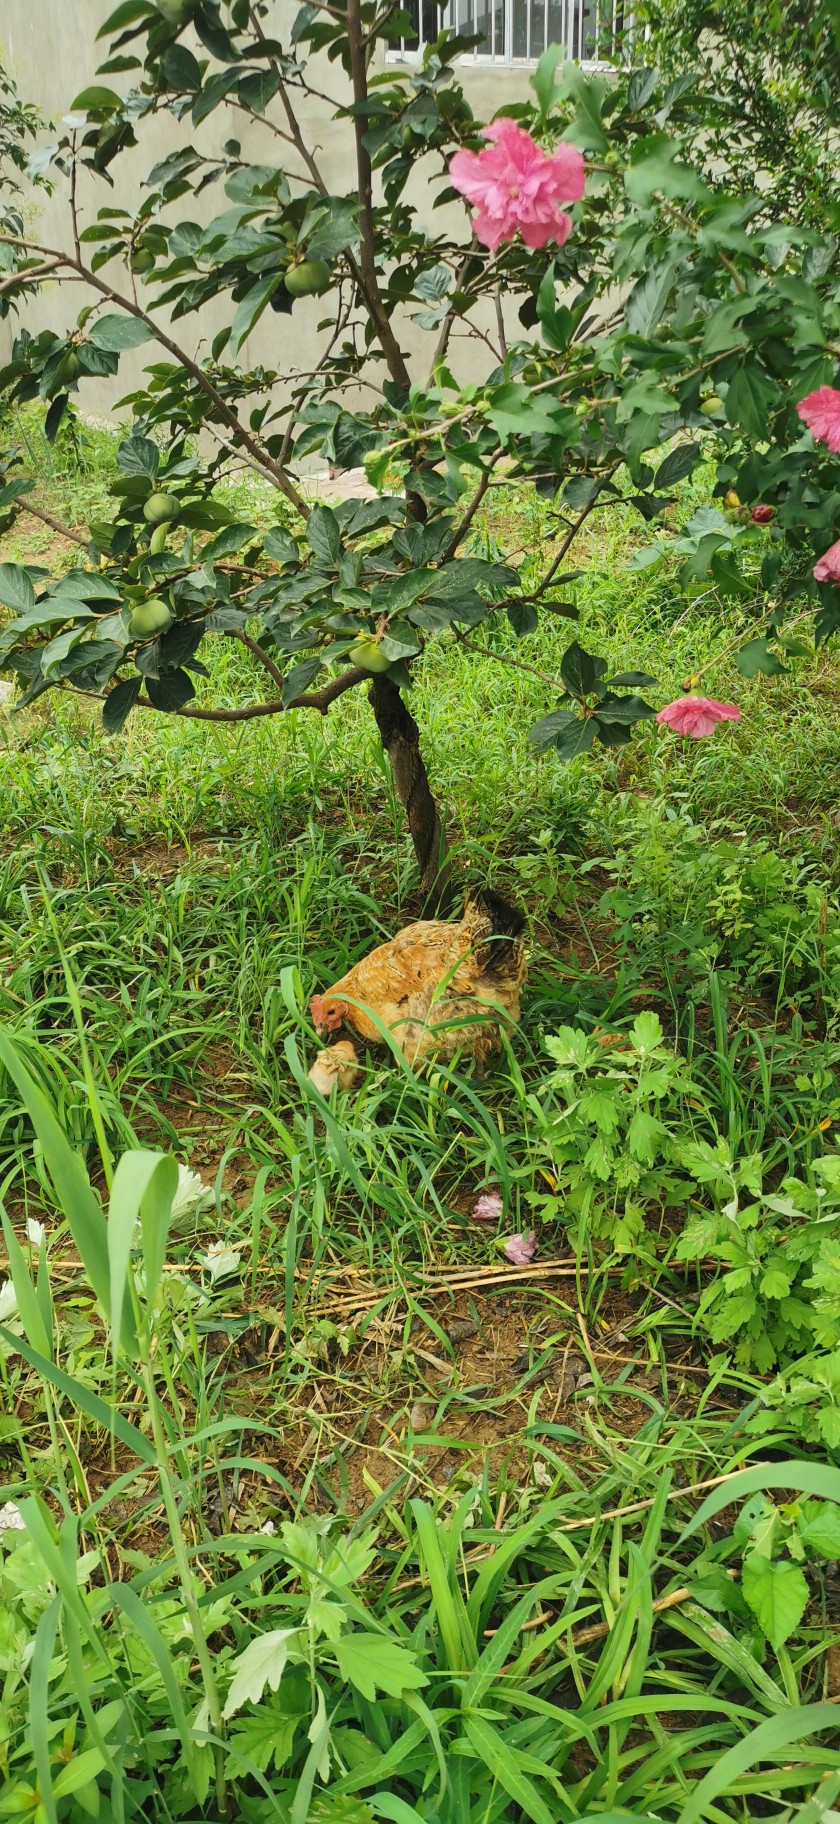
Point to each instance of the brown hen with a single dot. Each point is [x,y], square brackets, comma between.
[437,987]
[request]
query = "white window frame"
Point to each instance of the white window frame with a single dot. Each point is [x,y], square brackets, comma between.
[607,13]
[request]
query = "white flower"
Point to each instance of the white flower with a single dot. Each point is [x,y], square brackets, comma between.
[220,1260]
[8,1301]
[11,1519]
[35,1231]
[191,1195]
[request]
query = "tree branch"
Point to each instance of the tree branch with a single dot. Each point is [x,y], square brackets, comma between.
[367,256]
[314,699]
[74,538]
[266,463]
[464,524]
[263,658]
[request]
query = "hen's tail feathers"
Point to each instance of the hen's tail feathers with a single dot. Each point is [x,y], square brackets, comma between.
[507,923]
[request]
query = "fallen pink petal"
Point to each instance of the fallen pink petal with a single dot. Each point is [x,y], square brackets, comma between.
[827,567]
[697,716]
[517,188]
[487,1208]
[520,1249]
[821,412]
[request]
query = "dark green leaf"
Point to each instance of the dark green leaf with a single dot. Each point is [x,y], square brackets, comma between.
[649,297]
[171,691]
[755,657]
[577,670]
[279,544]
[16,590]
[679,462]
[139,456]
[750,396]
[545,732]
[299,679]
[523,617]
[642,85]
[323,534]
[226,542]
[578,739]
[249,311]
[119,704]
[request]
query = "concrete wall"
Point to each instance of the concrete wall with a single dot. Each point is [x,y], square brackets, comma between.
[49,47]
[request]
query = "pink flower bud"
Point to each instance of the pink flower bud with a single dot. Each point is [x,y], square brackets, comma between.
[761,516]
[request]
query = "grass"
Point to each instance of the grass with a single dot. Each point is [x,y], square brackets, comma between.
[335,1350]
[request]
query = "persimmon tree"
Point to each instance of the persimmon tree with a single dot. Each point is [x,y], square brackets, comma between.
[662,318]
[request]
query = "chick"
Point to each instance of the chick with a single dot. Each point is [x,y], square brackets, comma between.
[336,1064]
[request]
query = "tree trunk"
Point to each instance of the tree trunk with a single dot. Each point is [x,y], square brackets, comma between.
[400,738]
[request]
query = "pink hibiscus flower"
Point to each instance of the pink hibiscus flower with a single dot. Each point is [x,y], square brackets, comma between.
[487,1208]
[827,567]
[520,1249]
[697,716]
[821,412]
[518,188]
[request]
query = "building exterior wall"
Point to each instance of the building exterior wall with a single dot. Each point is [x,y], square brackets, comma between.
[49,47]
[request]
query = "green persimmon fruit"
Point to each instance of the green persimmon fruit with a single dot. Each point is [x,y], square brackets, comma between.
[150,618]
[159,509]
[368,654]
[308,279]
[175,12]
[142,259]
[711,404]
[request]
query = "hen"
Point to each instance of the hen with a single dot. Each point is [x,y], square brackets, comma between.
[437,987]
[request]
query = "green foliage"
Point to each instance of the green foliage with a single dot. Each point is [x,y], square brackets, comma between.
[330,1692]
[601,1121]
[779,1293]
[727,318]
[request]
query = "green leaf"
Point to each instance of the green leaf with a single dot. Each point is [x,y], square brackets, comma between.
[545,732]
[655,166]
[589,94]
[542,79]
[649,297]
[119,703]
[228,541]
[299,679]
[27,1299]
[16,590]
[755,657]
[324,534]
[70,1180]
[577,670]
[115,334]
[250,309]
[579,738]
[259,1668]
[492,1751]
[679,462]
[373,1663]
[279,544]
[644,1135]
[763,1744]
[102,1414]
[515,412]
[170,691]
[749,398]
[819,1529]
[96,100]
[138,456]
[125,14]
